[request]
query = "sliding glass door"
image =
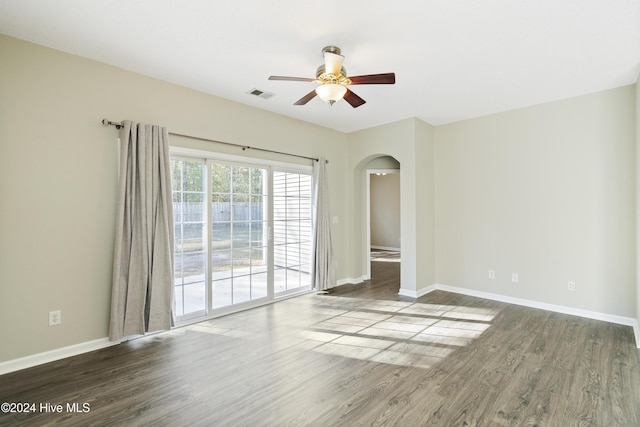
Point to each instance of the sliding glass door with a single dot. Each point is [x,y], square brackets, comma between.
[188,181]
[243,234]
[239,237]
[292,231]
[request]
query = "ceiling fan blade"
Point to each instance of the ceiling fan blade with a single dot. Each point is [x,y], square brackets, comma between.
[354,100]
[374,79]
[333,63]
[308,97]
[291,79]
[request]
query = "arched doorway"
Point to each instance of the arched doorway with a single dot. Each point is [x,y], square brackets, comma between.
[383,219]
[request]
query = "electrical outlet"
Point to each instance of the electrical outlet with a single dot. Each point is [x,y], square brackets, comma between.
[55,317]
[514,277]
[492,274]
[572,286]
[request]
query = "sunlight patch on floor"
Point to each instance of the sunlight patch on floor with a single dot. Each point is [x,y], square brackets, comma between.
[397,332]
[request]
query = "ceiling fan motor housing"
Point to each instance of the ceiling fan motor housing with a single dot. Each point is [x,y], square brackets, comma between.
[331,49]
[329,77]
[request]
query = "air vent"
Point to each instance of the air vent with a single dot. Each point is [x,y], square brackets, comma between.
[261,94]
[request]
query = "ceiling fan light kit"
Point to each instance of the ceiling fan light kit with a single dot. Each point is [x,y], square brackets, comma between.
[333,80]
[331,92]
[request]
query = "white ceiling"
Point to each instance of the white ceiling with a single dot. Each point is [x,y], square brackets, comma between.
[453,59]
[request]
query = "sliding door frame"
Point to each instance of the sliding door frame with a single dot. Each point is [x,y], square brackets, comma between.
[209,157]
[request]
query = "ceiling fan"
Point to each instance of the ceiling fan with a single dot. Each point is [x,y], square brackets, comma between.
[333,80]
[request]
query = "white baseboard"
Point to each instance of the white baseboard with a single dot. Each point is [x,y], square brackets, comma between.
[636,331]
[385,248]
[53,355]
[612,318]
[417,294]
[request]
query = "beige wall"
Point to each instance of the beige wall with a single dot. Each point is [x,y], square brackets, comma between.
[404,141]
[425,160]
[638,211]
[395,140]
[58,181]
[547,192]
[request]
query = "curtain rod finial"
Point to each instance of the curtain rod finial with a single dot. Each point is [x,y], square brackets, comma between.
[110,123]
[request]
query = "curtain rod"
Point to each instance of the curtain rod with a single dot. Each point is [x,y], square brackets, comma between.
[118,125]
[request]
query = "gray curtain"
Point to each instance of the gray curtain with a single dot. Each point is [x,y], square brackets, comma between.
[323,264]
[142,292]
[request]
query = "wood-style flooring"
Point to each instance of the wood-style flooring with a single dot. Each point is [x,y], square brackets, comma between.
[359,356]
